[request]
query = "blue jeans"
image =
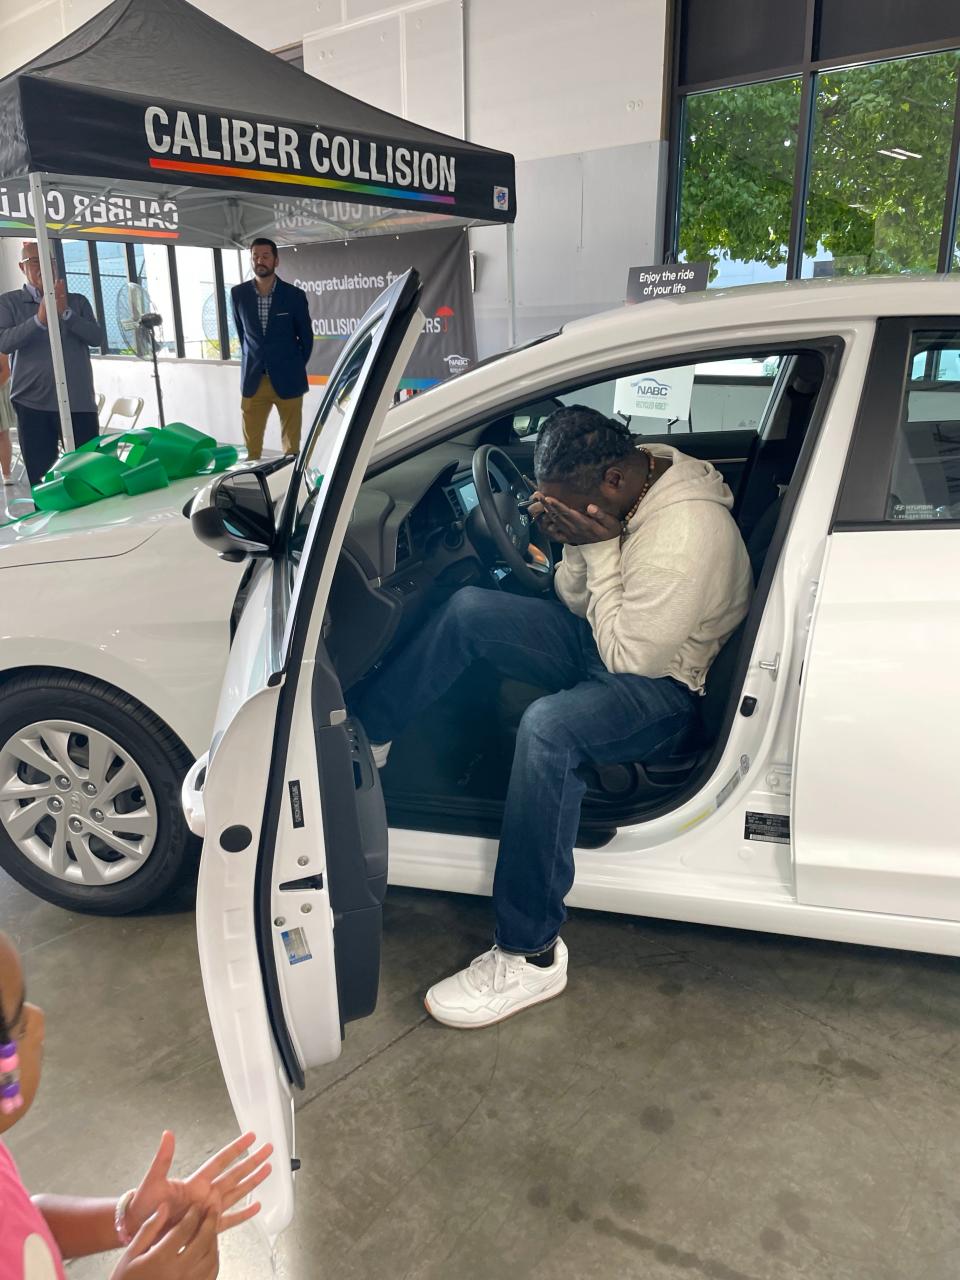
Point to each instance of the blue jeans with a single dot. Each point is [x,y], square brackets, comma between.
[592,716]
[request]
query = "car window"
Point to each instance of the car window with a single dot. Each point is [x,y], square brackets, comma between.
[315,458]
[925,481]
[730,394]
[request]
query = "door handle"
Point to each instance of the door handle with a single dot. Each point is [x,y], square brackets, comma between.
[770,664]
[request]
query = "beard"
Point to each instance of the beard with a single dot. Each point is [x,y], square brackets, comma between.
[263,270]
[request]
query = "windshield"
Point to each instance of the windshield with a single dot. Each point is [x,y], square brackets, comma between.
[488,360]
[315,456]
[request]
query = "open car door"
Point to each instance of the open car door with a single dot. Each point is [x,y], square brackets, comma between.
[294,864]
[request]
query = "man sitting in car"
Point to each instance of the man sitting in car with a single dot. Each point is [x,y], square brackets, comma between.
[654,578]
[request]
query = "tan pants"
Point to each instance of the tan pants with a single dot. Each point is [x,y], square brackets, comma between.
[256,410]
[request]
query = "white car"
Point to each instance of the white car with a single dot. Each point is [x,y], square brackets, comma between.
[817,806]
[115,634]
[819,799]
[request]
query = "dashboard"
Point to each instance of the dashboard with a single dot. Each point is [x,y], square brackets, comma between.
[462,495]
[413,539]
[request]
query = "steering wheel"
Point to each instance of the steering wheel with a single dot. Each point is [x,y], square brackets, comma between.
[511,530]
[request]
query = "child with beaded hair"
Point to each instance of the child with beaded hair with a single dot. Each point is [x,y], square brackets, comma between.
[168,1227]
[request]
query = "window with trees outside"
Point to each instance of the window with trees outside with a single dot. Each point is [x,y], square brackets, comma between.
[842,159]
[880,157]
[737,182]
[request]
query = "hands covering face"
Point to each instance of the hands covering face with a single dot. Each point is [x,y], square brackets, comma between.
[563,524]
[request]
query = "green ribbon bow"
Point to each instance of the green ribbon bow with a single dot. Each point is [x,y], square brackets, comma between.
[134,462]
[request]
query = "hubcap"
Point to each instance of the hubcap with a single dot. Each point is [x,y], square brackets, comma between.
[76,804]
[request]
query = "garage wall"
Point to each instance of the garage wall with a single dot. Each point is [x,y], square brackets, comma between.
[584,219]
[573,88]
[542,77]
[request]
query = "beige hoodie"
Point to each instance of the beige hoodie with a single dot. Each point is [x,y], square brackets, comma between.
[663,604]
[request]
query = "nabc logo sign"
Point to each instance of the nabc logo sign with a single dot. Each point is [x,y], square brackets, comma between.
[650,387]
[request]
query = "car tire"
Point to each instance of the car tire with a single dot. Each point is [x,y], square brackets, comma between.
[154,752]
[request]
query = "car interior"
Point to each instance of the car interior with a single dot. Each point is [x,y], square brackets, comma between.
[926,473]
[418,533]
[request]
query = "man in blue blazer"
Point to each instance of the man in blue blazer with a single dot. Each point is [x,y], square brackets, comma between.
[276,338]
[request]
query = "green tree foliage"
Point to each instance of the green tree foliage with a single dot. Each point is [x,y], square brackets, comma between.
[737,177]
[873,212]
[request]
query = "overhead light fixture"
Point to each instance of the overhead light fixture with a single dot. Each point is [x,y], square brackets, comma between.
[904,152]
[899,153]
[894,155]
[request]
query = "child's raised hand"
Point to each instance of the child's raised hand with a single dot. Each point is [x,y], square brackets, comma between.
[226,1176]
[187,1251]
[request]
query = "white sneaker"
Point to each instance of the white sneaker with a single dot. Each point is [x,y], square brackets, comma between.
[380,751]
[495,986]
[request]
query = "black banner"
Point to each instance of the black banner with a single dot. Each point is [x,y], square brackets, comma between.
[98,209]
[79,131]
[86,213]
[342,280]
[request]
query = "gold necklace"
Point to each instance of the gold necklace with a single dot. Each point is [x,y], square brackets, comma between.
[625,522]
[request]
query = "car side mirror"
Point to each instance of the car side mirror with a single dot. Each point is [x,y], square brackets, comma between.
[234,515]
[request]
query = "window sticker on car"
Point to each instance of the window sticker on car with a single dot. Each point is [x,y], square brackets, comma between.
[918,511]
[296,802]
[296,946]
[772,827]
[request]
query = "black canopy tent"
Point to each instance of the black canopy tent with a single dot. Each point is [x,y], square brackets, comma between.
[153,121]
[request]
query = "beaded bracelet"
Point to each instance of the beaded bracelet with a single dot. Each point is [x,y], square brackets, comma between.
[11,1099]
[120,1217]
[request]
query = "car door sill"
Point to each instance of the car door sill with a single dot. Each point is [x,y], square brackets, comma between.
[471,817]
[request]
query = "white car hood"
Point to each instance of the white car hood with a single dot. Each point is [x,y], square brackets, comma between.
[112,527]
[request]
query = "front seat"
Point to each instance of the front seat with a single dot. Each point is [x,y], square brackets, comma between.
[646,781]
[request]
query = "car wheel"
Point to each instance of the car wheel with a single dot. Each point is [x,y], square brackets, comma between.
[90,813]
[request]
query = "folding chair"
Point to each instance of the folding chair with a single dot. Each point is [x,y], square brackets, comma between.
[18,469]
[126,407]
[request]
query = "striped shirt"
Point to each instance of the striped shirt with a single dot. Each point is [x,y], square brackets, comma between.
[264,301]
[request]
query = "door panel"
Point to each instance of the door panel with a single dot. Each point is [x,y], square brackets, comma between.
[260,1089]
[874,818]
[879,736]
[293,870]
[354,818]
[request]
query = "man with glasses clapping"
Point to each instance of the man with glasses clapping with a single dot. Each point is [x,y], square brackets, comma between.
[24,335]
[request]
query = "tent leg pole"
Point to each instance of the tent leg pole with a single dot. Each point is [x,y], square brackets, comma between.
[464,73]
[49,296]
[511,288]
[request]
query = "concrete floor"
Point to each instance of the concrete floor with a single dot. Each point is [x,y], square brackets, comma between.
[700,1103]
